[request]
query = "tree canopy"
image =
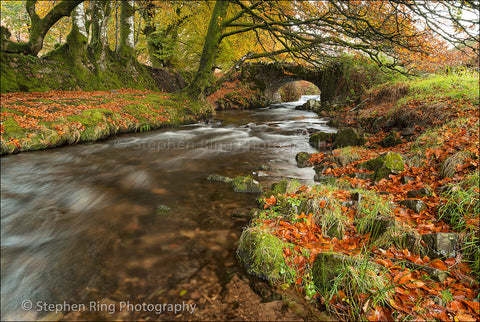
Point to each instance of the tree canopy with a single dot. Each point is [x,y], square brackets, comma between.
[199,36]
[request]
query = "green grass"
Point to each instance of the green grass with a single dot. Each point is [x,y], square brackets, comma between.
[462,202]
[370,208]
[455,86]
[353,276]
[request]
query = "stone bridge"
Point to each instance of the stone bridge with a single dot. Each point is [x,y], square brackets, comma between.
[271,77]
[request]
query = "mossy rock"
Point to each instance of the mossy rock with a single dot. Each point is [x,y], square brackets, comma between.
[349,137]
[246,184]
[302,159]
[281,187]
[329,265]
[321,137]
[385,164]
[162,210]
[390,140]
[276,189]
[376,226]
[262,255]
[219,178]
[347,155]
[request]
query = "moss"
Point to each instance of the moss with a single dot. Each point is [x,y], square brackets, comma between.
[8,82]
[321,137]
[12,129]
[55,71]
[277,188]
[348,155]
[246,184]
[326,268]
[262,255]
[219,178]
[349,137]
[388,163]
[394,162]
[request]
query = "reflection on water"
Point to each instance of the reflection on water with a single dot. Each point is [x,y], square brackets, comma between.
[79,221]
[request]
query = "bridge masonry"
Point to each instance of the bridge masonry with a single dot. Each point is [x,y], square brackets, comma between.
[269,78]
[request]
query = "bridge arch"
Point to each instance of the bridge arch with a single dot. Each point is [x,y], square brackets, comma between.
[290,89]
[271,77]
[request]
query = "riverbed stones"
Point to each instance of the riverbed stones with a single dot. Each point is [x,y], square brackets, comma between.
[349,137]
[384,165]
[162,210]
[219,178]
[310,105]
[246,184]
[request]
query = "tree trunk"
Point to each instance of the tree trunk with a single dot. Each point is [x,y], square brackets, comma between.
[204,78]
[117,4]
[127,26]
[98,43]
[40,27]
[148,30]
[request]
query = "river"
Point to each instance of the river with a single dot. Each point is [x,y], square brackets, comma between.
[90,222]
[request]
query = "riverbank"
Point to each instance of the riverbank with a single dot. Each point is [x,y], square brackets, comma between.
[390,229]
[40,120]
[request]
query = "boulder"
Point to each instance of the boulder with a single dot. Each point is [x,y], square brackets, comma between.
[321,139]
[414,204]
[302,159]
[310,105]
[349,137]
[385,164]
[390,140]
[408,131]
[328,266]
[262,254]
[282,187]
[449,166]
[246,184]
[422,192]
[333,123]
[347,155]
[375,226]
[441,244]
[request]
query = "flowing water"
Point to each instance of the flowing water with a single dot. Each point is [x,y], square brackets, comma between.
[90,221]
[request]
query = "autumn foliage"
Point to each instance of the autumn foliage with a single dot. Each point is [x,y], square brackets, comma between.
[413,292]
[45,119]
